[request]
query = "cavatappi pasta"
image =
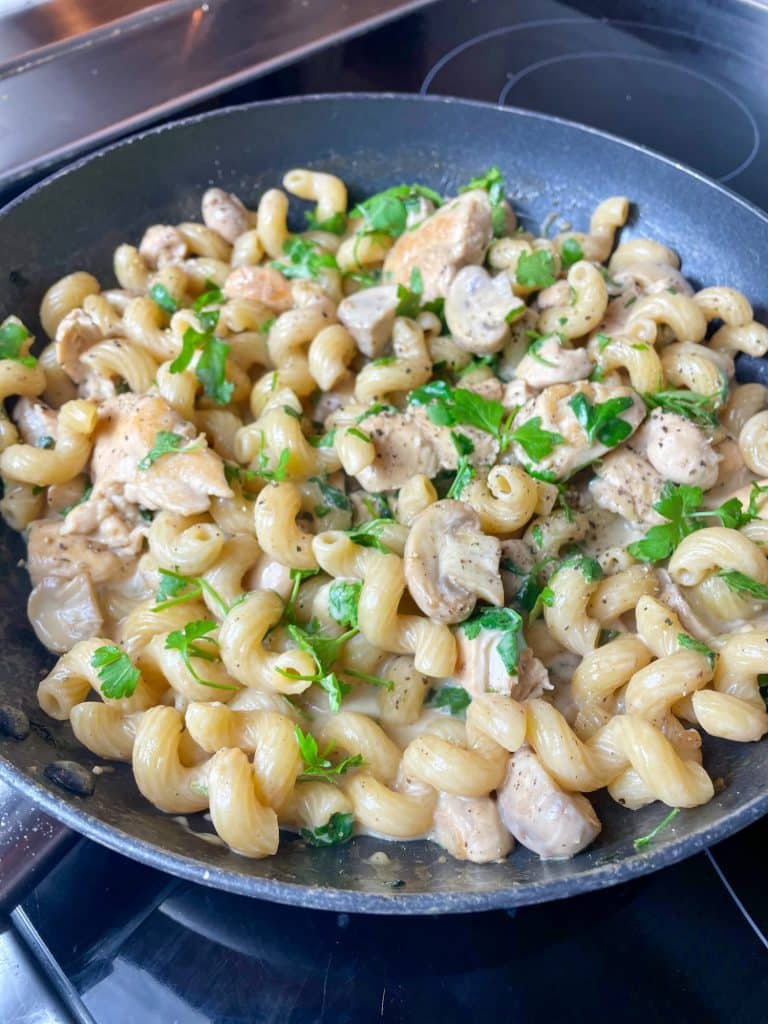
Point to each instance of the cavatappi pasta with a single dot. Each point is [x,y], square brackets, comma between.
[411,523]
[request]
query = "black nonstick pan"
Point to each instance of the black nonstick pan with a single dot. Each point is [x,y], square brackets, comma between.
[76,219]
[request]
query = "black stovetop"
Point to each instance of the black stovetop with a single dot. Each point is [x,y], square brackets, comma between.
[122,943]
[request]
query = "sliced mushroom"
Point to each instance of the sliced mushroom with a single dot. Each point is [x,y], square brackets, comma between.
[64,613]
[260,284]
[76,333]
[224,213]
[470,828]
[456,235]
[450,562]
[369,316]
[551,363]
[678,450]
[540,815]
[476,307]
[161,244]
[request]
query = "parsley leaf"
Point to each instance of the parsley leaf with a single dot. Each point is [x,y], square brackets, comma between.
[12,338]
[46,441]
[332,496]
[455,698]
[324,648]
[323,440]
[509,623]
[297,576]
[118,676]
[163,298]
[177,589]
[368,535]
[648,839]
[698,408]
[696,645]
[409,299]
[676,504]
[602,422]
[338,829]
[335,224]
[316,764]
[307,259]
[166,443]
[211,366]
[536,269]
[536,443]
[185,642]
[387,212]
[590,568]
[744,585]
[343,599]
[570,252]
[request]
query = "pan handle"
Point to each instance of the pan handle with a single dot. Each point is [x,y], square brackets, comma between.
[31,843]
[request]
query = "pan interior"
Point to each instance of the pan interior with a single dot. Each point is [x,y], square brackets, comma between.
[76,220]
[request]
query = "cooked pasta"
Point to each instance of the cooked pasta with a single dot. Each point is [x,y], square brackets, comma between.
[405,524]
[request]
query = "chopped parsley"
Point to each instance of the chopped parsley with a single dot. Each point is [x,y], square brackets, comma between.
[743,585]
[387,212]
[211,367]
[343,599]
[163,298]
[680,505]
[464,469]
[699,409]
[454,698]
[506,621]
[177,589]
[602,422]
[535,442]
[368,535]
[332,496]
[338,829]
[317,764]
[12,338]
[46,441]
[167,443]
[116,672]
[570,252]
[336,224]
[646,840]
[696,645]
[536,269]
[185,641]
[307,259]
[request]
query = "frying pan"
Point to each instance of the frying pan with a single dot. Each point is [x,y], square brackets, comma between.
[77,218]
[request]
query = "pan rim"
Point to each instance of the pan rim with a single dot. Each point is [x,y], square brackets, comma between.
[398,902]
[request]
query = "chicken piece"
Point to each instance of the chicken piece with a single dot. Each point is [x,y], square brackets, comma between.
[480,668]
[551,363]
[678,449]
[181,482]
[76,333]
[450,563]
[515,394]
[409,443]
[51,553]
[224,213]
[35,420]
[627,484]
[470,828]
[456,235]
[161,244]
[369,316]
[62,614]
[107,518]
[489,388]
[553,407]
[260,284]
[539,814]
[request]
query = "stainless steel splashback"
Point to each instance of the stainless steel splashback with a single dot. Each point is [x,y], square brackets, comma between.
[74,74]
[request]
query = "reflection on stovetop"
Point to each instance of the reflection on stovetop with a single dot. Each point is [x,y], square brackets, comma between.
[673,946]
[685,944]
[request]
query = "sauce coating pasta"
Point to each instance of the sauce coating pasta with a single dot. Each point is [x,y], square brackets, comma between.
[411,523]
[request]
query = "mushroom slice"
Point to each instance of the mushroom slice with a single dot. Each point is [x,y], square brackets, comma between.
[476,308]
[450,562]
[63,613]
[369,316]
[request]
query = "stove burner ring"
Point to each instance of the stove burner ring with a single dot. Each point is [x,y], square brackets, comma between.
[618,23]
[682,69]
